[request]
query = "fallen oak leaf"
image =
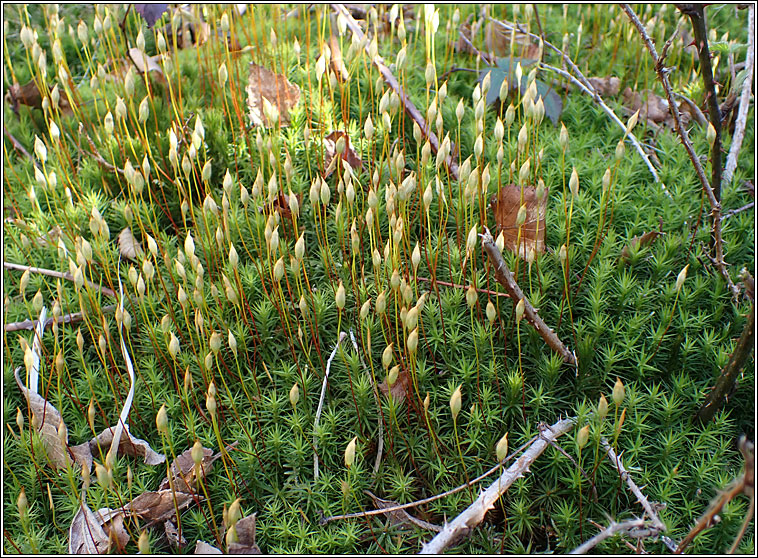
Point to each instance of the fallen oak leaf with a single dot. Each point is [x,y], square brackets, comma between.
[128,445]
[29,95]
[638,242]
[399,389]
[113,527]
[348,153]
[184,473]
[172,535]
[48,421]
[86,534]
[274,88]
[245,543]
[506,206]
[145,63]
[160,505]
[606,86]
[202,547]
[128,246]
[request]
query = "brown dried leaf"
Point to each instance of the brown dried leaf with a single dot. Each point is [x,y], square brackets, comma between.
[638,242]
[128,246]
[606,86]
[338,65]
[128,445]
[86,534]
[330,149]
[265,84]
[506,207]
[202,547]
[159,505]
[400,388]
[245,537]
[655,109]
[172,535]
[497,41]
[115,531]
[144,62]
[183,471]
[47,420]
[29,95]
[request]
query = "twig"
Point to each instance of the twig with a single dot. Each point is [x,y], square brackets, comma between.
[456,286]
[616,460]
[581,470]
[61,275]
[67,319]
[699,116]
[321,404]
[728,376]
[679,127]
[505,277]
[696,13]
[474,514]
[584,84]
[732,212]
[402,515]
[745,483]
[410,108]
[739,127]
[380,421]
[637,528]
[18,146]
[399,507]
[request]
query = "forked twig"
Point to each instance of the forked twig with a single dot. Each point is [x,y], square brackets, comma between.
[60,274]
[584,84]
[410,108]
[342,336]
[67,319]
[637,528]
[682,132]
[739,126]
[474,514]
[505,277]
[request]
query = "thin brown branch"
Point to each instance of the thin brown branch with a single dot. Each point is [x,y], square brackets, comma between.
[505,278]
[18,146]
[462,525]
[626,477]
[745,483]
[399,507]
[739,126]
[456,286]
[662,73]
[696,13]
[584,84]
[731,371]
[637,528]
[410,108]
[67,319]
[61,275]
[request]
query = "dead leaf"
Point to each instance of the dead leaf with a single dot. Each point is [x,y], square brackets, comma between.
[128,445]
[245,537]
[399,389]
[497,41]
[183,471]
[86,534]
[47,419]
[115,531]
[172,535]
[348,154]
[400,517]
[29,95]
[143,63]
[202,547]
[655,109]
[159,505]
[606,86]
[638,242]
[128,246]
[338,65]
[276,89]
[506,207]
[150,12]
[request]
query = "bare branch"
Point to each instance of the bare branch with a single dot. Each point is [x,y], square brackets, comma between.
[67,319]
[505,277]
[18,267]
[637,528]
[739,127]
[474,514]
